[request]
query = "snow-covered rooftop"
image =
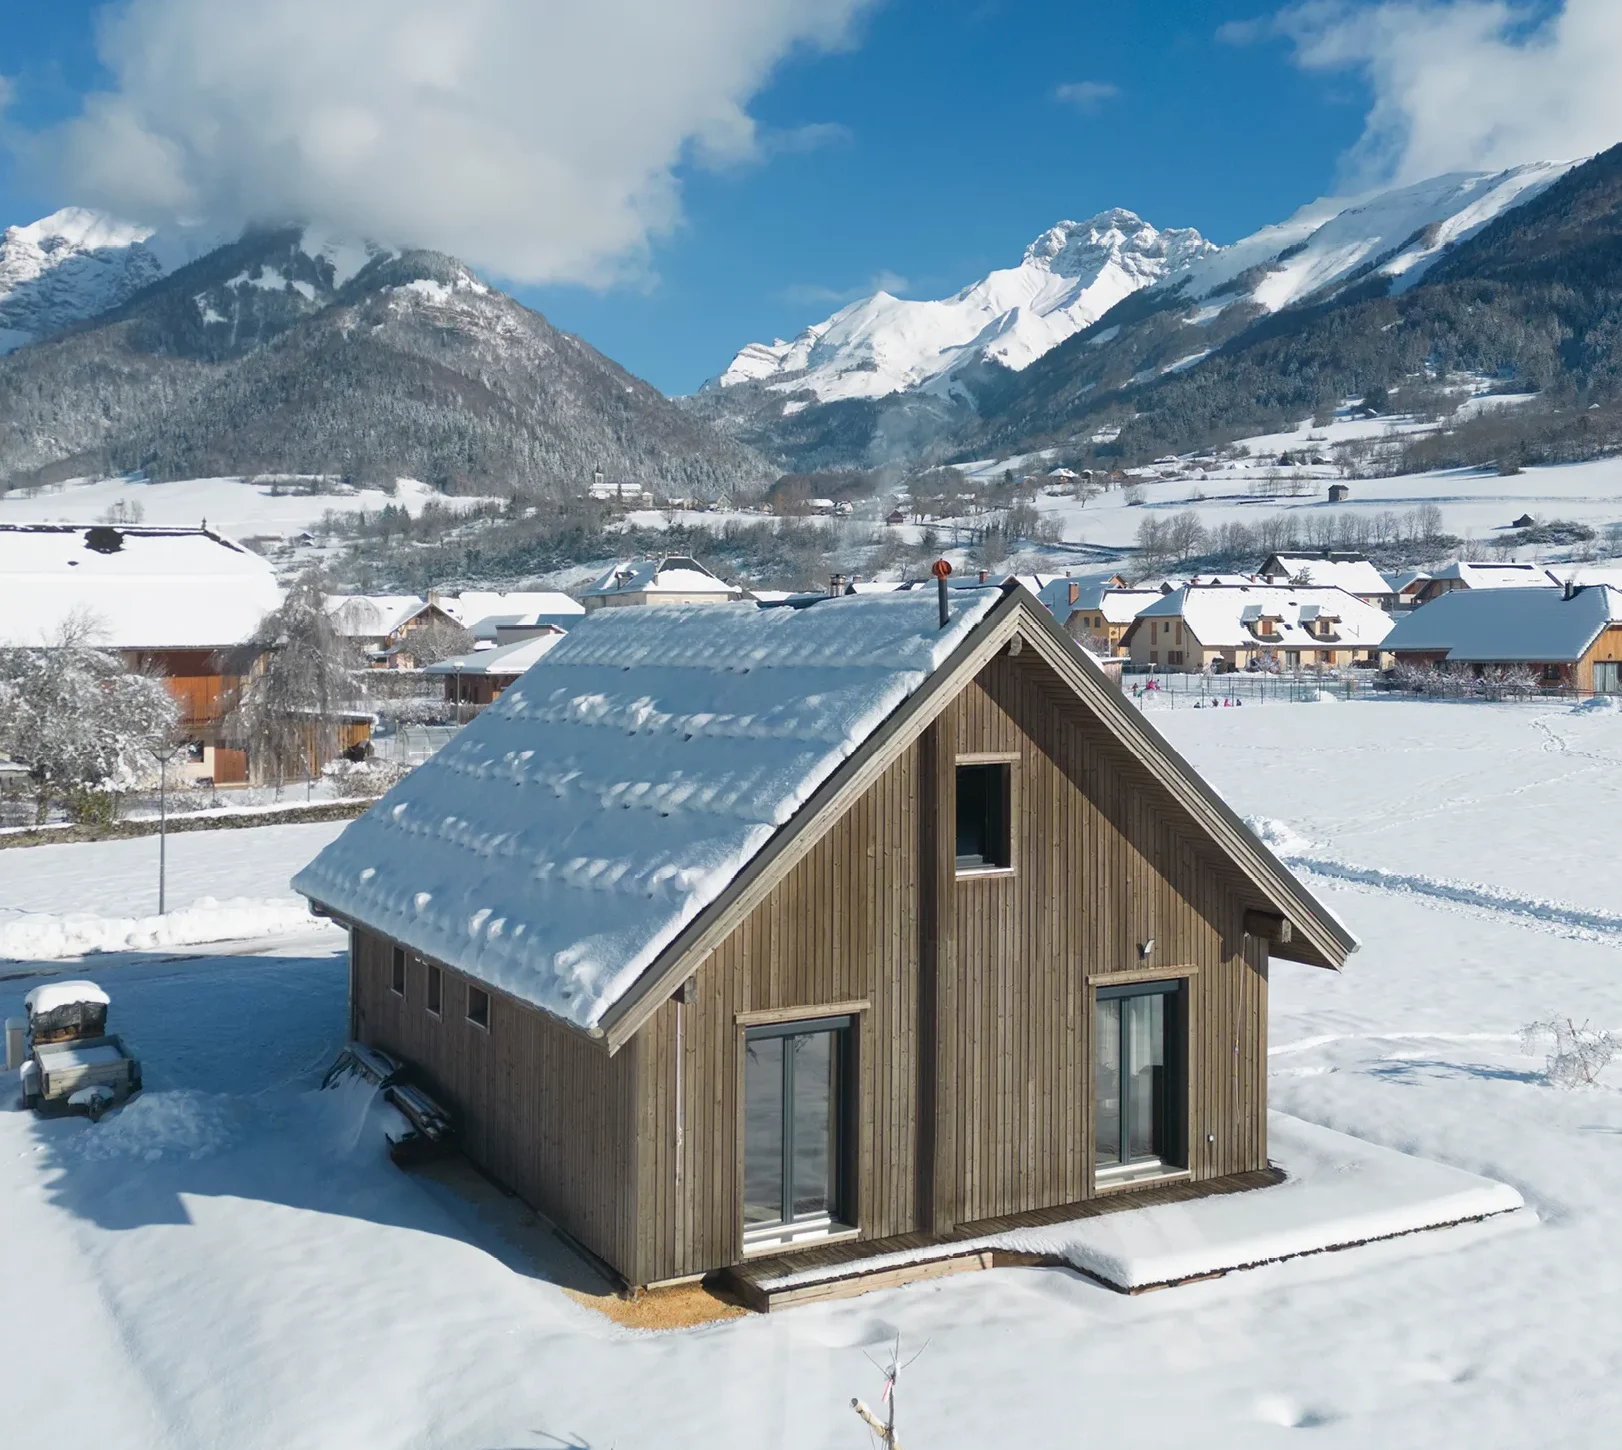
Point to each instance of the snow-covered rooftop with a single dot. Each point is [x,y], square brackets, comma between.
[675,575]
[1225,615]
[505,659]
[1496,576]
[1355,576]
[1502,626]
[566,836]
[472,606]
[364,616]
[146,588]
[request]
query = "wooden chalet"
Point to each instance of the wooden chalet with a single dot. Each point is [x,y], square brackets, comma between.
[181,604]
[1569,637]
[734,935]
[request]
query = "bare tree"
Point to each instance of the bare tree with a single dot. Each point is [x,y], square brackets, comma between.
[307,675]
[1577,1054]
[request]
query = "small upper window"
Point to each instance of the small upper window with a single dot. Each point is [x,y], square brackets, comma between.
[985,817]
[397,975]
[435,989]
[478,1007]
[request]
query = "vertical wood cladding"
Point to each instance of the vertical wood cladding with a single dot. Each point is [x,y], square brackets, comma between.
[542,1110]
[974,1066]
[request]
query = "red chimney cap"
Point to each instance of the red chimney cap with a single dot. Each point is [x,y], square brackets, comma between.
[940,569]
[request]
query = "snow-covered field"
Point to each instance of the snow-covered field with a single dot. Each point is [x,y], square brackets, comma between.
[238,508]
[231,1259]
[56,900]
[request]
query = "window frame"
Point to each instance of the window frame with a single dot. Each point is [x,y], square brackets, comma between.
[1175,983]
[809,1230]
[474,990]
[399,972]
[433,997]
[1011,812]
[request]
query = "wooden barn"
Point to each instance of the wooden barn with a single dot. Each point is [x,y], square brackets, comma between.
[737,934]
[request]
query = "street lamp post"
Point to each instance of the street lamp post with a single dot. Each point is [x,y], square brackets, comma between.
[164,755]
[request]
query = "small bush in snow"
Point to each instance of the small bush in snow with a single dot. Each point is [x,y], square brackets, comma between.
[1577,1054]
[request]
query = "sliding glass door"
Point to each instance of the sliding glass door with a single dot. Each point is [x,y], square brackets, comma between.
[795,1097]
[1137,1079]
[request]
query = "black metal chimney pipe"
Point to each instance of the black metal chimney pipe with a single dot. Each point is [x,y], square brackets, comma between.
[942,571]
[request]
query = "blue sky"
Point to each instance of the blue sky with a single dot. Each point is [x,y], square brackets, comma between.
[938,146]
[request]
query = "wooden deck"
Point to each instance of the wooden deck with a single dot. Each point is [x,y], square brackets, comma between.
[857,1266]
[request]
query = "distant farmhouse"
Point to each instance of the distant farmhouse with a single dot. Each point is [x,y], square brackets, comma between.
[1225,627]
[1351,572]
[179,603]
[1461,575]
[1570,637]
[673,580]
[777,940]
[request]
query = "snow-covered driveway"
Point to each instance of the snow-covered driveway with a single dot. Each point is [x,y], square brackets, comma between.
[231,1261]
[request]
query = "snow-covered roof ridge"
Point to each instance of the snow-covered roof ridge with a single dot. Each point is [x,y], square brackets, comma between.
[1508,626]
[146,587]
[361,616]
[1355,576]
[567,835]
[504,659]
[675,574]
[1497,576]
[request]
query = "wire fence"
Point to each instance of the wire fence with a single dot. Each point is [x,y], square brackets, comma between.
[1194,690]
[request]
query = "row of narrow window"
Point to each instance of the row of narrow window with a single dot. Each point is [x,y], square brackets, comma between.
[478,1000]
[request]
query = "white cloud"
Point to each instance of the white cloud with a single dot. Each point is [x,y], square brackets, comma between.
[542,141]
[1086,96]
[813,294]
[1470,84]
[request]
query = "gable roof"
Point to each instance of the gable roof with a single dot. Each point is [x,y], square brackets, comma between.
[473,606]
[510,660]
[1508,626]
[1496,576]
[1355,576]
[591,836]
[674,575]
[146,587]
[367,616]
[1222,616]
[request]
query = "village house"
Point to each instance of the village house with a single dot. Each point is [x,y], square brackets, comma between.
[380,626]
[482,612]
[623,492]
[1403,589]
[674,580]
[1570,637]
[762,939]
[1462,575]
[1094,611]
[1351,572]
[478,678]
[182,604]
[1225,627]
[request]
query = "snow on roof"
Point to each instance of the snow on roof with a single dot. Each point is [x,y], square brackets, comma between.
[1355,576]
[563,839]
[1225,615]
[1497,576]
[52,995]
[147,588]
[505,659]
[473,605]
[1498,626]
[675,575]
[363,616]
[1404,580]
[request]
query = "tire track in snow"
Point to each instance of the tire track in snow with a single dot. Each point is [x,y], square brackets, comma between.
[1557,918]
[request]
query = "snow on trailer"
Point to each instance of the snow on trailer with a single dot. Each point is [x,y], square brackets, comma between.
[71,1060]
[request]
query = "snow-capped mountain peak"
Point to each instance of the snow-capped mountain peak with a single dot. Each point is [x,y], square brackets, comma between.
[1067,279]
[76,263]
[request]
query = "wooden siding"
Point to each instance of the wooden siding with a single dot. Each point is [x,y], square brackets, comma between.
[542,1110]
[974,1066]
